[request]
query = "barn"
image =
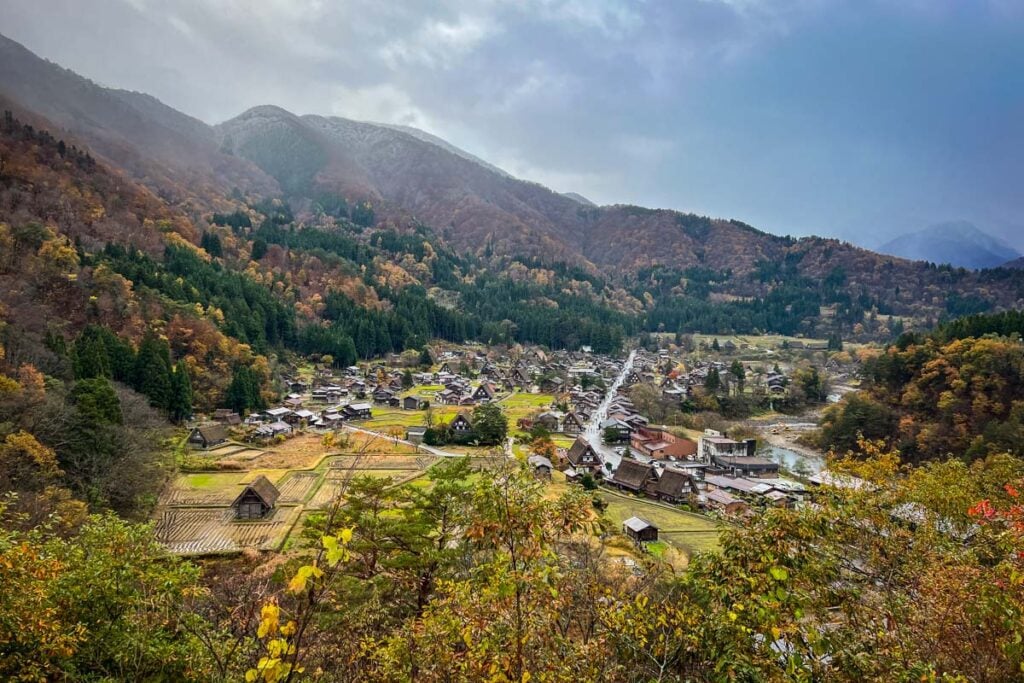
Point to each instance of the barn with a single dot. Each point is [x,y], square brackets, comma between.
[256,500]
[208,436]
[640,530]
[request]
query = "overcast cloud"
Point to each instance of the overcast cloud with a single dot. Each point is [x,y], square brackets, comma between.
[857,118]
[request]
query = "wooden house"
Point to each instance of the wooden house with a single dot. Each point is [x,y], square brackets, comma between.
[257,500]
[357,411]
[572,424]
[548,420]
[582,457]
[674,486]
[632,475]
[484,393]
[208,436]
[640,530]
[540,466]
[413,403]
[461,423]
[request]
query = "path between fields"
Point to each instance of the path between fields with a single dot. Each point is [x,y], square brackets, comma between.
[419,446]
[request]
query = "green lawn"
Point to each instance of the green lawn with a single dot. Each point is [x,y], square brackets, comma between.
[212,481]
[393,417]
[526,400]
[693,542]
[563,441]
[520,405]
[686,531]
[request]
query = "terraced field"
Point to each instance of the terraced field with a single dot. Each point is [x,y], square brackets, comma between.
[298,486]
[687,531]
[197,531]
[214,488]
[194,515]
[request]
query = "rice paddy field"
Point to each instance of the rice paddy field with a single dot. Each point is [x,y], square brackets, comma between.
[194,515]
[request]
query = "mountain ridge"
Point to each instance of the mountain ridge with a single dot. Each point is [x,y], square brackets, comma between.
[958,243]
[404,181]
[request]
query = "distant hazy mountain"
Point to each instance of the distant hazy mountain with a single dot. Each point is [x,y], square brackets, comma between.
[173,153]
[958,243]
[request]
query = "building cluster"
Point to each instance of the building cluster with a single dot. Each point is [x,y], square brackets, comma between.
[713,473]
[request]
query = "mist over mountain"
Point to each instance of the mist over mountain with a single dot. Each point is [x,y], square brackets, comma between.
[958,243]
[409,179]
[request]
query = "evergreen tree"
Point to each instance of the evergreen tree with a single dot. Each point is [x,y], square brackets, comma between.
[89,358]
[211,244]
[490,424]
[244,391]
[407,381]
[96,401]
[425,359]
[737,371]
[259,249]
[713,382]
[153,371]
[180,407]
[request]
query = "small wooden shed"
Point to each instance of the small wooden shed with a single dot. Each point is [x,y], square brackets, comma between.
[640,530]
[256,500]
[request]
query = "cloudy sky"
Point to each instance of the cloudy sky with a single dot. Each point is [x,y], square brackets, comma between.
[856,118]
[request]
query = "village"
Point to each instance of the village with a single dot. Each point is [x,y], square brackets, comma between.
[573,418]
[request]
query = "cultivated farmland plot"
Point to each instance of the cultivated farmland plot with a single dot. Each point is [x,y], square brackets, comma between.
[196,531]
[219,488]
[381,462]
[330,489]
[297,487]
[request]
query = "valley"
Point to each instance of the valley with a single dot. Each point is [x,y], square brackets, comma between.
[303,397]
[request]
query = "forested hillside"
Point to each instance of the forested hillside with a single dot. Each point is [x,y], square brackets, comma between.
[957,392]
[670,270]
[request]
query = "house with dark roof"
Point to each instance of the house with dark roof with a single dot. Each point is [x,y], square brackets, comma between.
[572,424]
[414,403]
[674,486]
[208,436]
[582,457]
[461,423]
[745,466]
[485,392]
[632,475]
[548,420]
[357,411]
[257,500]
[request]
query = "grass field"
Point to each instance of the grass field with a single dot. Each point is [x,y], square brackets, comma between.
[686,531]
[521,399]
[388,418]
[563,441]
[520,405]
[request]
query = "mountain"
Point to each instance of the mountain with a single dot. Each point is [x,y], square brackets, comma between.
[957,243]
[385,185]
[173,153]
[445,145]
[575,196]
